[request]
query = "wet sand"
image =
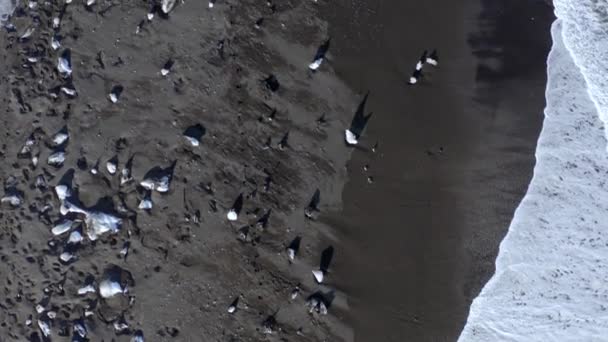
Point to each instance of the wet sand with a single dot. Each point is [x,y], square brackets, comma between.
[421,240]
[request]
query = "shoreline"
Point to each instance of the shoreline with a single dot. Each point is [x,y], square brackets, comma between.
[422,239]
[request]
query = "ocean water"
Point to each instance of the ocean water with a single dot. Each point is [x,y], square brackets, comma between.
[551,280]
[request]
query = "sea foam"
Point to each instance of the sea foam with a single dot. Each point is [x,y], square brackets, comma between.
[552,269]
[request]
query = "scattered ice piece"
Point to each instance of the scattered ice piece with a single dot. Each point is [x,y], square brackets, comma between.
[166,68]
[86,289]
[35,160]
[295,292]
[163,184]
[120,326]
[75,237]
[291,253]
[62,228]
[167,5]
[111,166]
[68,91]
[350,137]
[27,147]
[318,274]
[99,223]
[150,16]
[66,256]
[62,192]
[45,329]
[28,322]
[40,182]
[115,93]
[211,3]
[56,22]
[80,329]
[433,58]
[138,336]
[64,64]
[61,137]
[56,159]
[232,215]
[109,288]
[315,64]
[194,134]
[90,3]
[51,314]
[32,59]
[124,252]
[148,184]
[146,203]
[27,33]
[39,308]
[125,176]
[13,200]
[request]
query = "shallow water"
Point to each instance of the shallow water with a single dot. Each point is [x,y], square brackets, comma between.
[550,271]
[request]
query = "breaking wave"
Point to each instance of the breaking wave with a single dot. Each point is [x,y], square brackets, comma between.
[551,269]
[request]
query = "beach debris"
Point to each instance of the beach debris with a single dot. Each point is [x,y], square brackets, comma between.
[272,83]
[167,5]
[319,56]
[112,165]
[64,64]
[433,58]
[232,308]
[194,134]
[115,93]
[167,67]
[56,159]
[115,281]
[138,336]
[233,213]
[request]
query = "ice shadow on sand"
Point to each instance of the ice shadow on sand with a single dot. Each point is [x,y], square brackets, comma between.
[360,120]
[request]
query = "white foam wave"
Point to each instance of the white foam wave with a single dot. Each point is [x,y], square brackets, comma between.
[551,270]
[6,9]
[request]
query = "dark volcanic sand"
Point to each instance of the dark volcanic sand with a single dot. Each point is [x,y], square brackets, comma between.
[186,261]
[420,242]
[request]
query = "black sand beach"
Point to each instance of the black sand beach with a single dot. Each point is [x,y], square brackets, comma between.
[455,155]
[181,271]
[410,250]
